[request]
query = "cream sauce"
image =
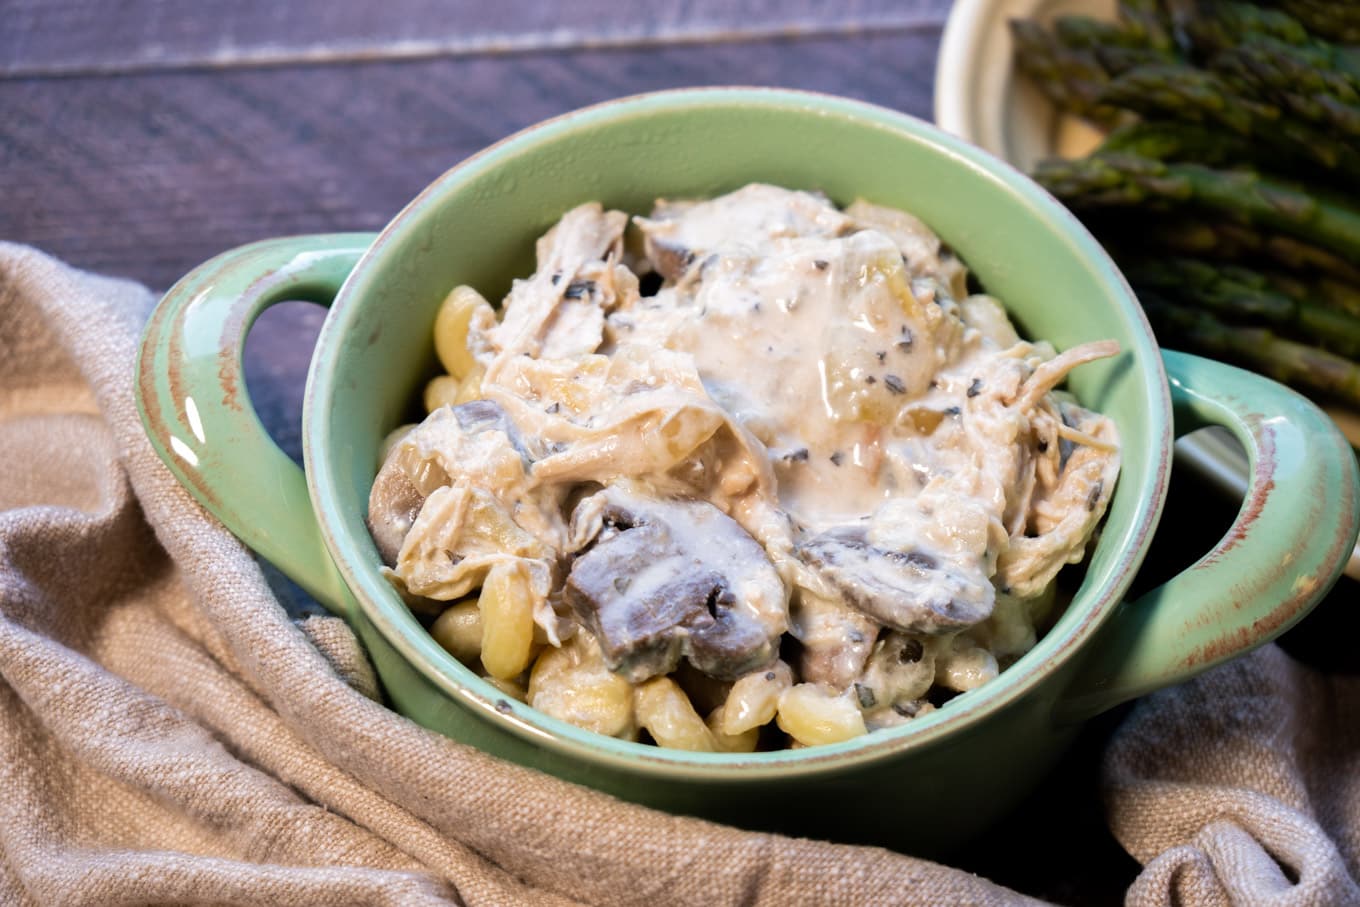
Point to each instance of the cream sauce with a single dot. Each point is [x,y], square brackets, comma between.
[816,374]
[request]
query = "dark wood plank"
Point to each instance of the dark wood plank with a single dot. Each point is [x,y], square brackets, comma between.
[146,175]
[46,37]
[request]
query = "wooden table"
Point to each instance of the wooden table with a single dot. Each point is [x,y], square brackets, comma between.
[140,138]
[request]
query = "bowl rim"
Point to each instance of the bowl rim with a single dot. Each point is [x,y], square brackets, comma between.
[413,643]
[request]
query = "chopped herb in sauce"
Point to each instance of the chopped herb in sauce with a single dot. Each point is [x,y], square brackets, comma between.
[1094,497]
[579,289]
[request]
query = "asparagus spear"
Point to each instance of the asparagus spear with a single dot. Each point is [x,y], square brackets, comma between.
[1182,92]
[1117,46]
[1318,271]
[1243,295]
[1150,19]
[1084,31]
[1328,291]
[1174,141]
[1214,27]
[1302,80]
[1310,68]
[1238,242]
[1329,19]
[1298,270]
[1303,258]
[1072,79]
[1105,179]
[1323,112]
[1257,348]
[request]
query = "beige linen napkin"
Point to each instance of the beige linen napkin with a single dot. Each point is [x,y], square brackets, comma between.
[169,735]
[1242,787]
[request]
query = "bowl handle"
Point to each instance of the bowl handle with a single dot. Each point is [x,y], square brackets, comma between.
[191,392]
[1286,547]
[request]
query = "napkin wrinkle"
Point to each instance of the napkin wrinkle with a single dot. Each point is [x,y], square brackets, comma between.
[169,733]
[338,645]
[1241,786]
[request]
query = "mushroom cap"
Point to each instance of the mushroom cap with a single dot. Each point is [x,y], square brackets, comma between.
[912,591]
[664,580]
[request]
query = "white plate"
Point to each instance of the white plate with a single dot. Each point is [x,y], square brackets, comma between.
[980,97]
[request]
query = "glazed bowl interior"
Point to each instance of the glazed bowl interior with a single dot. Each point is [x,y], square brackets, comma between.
[477,225]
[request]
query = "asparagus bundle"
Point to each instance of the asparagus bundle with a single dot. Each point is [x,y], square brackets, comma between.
[1227,187]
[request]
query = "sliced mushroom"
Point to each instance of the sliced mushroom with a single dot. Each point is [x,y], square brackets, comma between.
[478,416]
[666,580]
[397,496]
[393,505]
[911,591]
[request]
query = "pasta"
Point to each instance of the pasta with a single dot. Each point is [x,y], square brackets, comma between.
[754,700]
[571,683]
[667,714]
[744,741]
[507,618]
[451,330]
[801,487]
[442,390]
[811,714]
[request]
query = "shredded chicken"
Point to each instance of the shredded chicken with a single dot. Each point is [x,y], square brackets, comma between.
[810,429]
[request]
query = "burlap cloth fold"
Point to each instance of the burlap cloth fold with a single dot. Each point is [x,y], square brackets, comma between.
[169,735]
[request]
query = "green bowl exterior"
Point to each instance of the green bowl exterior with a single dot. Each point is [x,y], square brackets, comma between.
[477,225]
[927,801]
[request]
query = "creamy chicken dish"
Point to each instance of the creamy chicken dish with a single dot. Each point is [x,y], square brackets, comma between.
[747,467]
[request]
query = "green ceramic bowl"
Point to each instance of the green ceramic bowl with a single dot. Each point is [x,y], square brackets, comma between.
[921,787]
